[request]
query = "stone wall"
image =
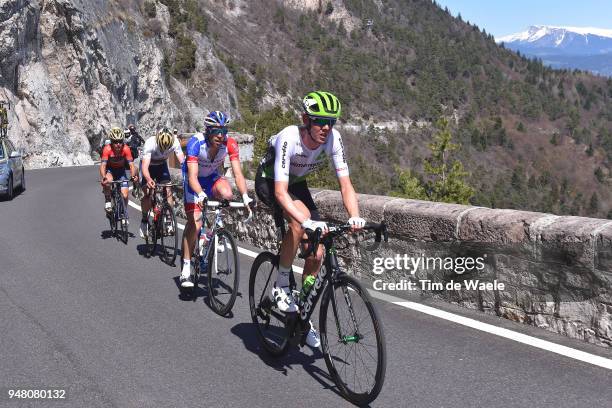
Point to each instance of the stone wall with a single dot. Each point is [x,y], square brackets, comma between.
[556,270]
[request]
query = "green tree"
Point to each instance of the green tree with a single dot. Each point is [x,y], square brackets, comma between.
[446,180]
[409,186]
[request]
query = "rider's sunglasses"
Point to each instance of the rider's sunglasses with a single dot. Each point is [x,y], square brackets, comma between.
[217,131]
[117,142]
[323,122]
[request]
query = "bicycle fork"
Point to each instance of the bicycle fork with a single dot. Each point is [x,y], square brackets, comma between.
[347,298]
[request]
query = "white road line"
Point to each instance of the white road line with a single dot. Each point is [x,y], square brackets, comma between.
[465,321]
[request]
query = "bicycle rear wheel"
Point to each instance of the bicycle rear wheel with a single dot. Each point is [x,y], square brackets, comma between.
[268,320]
[223,272]
[352,340]
[169,235]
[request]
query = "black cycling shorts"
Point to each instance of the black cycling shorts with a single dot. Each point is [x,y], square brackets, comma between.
[264,188]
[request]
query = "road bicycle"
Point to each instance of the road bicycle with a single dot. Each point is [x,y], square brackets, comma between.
[216,254]
[161,225]
[118,216]
[352,338]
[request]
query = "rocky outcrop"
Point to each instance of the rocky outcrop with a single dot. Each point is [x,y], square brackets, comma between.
[71,69]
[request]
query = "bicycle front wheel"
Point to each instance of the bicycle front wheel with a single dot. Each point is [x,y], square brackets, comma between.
[169,235]
[151,236]
[223,272]
[123,220]
[352,340]
[268,320]
[112,219]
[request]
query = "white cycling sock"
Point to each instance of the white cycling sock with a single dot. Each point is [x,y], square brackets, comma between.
[282,280]
[186,268]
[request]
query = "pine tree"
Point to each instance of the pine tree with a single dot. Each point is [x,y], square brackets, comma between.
[446,181]
[409,186]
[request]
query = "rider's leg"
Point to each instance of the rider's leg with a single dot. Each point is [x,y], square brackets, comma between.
[145,202]
[293,236]
[107,192]
[222,189]
[194,223]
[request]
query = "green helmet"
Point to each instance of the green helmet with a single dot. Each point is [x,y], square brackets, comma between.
[322,104]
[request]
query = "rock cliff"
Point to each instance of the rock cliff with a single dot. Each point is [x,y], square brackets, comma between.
[71,69]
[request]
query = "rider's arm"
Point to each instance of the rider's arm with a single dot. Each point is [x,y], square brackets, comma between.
[239,177]
[178,151]
[146,160]
[192,176]
[103,161]
[102,170]
[127,153]
[193,167]
[234,156]
[133,170]
[349,198]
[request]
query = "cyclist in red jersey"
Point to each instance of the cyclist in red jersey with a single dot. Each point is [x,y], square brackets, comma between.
[112,167]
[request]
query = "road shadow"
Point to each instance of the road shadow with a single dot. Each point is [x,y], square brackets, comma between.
[144,249]
[199,291]
[294,357]
[106,234]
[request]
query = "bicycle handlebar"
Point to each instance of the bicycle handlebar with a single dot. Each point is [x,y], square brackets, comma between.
[164,185]
[214,204]
[314,237]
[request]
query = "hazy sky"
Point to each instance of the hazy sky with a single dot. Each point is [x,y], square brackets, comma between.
[503,17]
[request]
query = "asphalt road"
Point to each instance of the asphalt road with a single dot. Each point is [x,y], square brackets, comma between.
[83,312]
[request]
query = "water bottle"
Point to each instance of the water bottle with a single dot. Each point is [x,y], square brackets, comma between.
[306,286]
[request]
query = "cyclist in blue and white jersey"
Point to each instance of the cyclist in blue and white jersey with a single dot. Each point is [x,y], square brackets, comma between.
[205,154]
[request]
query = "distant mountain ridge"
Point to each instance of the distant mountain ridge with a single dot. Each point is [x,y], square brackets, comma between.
[585,48]
[561,40]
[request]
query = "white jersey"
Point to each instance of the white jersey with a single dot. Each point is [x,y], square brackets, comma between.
[151,151]
[291,160]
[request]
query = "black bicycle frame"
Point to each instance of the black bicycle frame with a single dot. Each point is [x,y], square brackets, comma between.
[116,192]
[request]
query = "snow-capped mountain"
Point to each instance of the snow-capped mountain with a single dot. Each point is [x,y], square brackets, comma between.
[561,40]
[585,48]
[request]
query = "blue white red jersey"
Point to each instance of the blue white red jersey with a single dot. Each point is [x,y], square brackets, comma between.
[197,152]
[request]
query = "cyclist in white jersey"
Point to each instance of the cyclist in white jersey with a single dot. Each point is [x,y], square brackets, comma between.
[154,169]
[281,184]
